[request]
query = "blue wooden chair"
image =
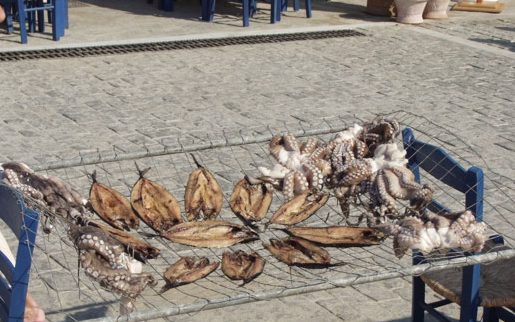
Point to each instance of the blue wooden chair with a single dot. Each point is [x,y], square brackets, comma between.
[24,223]
[437,163]
[28,12]
[249,8]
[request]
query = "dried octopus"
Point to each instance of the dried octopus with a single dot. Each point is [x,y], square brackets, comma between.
[379,131]
[104,260]
[49,192]
[437,233]
[367,175]
[299,168]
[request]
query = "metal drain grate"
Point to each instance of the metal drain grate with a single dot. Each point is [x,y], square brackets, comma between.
[171,45]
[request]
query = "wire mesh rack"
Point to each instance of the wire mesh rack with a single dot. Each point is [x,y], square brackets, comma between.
[67,294]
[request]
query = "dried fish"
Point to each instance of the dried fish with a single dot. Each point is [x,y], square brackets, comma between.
[296,251]
[112,206]
[157,207]
[251,201]
[338,235]
[242,266]
[300,208]
[203,194]
[209,233]
[140,249]
[188,270]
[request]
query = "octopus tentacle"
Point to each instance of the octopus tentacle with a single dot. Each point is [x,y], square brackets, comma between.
[88,238]
[290,143]
[387,201]
[119,280]
[439,232]
[309,146]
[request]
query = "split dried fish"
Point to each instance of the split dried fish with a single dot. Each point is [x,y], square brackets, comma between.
[140,249]
[296,251]
[251,201]
[242,266]
[112,206]
[209,233]
[157,207]
[338,235]
[203,194]
[188,270]
[300,208]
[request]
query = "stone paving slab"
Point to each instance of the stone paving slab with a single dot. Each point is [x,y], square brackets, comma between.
[110,100]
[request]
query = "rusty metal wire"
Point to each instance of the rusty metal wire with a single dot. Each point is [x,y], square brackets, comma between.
[67,294]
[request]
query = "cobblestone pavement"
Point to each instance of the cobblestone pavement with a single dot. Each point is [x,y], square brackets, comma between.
[460,74]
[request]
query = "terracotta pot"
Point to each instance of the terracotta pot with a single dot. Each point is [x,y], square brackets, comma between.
[410,11]
[436,9]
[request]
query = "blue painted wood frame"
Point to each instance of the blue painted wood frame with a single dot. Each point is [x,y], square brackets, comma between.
[443,167]
[27,13]
[24,224]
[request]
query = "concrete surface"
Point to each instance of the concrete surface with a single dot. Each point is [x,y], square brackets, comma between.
[459,73]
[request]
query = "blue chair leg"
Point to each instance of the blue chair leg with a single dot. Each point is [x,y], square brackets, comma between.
[284,5]
[58,23]
[212,4]
[167,5]
[246,13]
[470,293]
[205,10]
[253,8]
[9,17]
[66,20]
[208,10]
[308,8]
[418,286]
[296,5]
[490,315]
[278,10]
[23,21]
[40,16]
[273,8]
[419,296]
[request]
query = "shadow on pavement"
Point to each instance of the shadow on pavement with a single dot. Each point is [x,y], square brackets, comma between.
[504,43]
